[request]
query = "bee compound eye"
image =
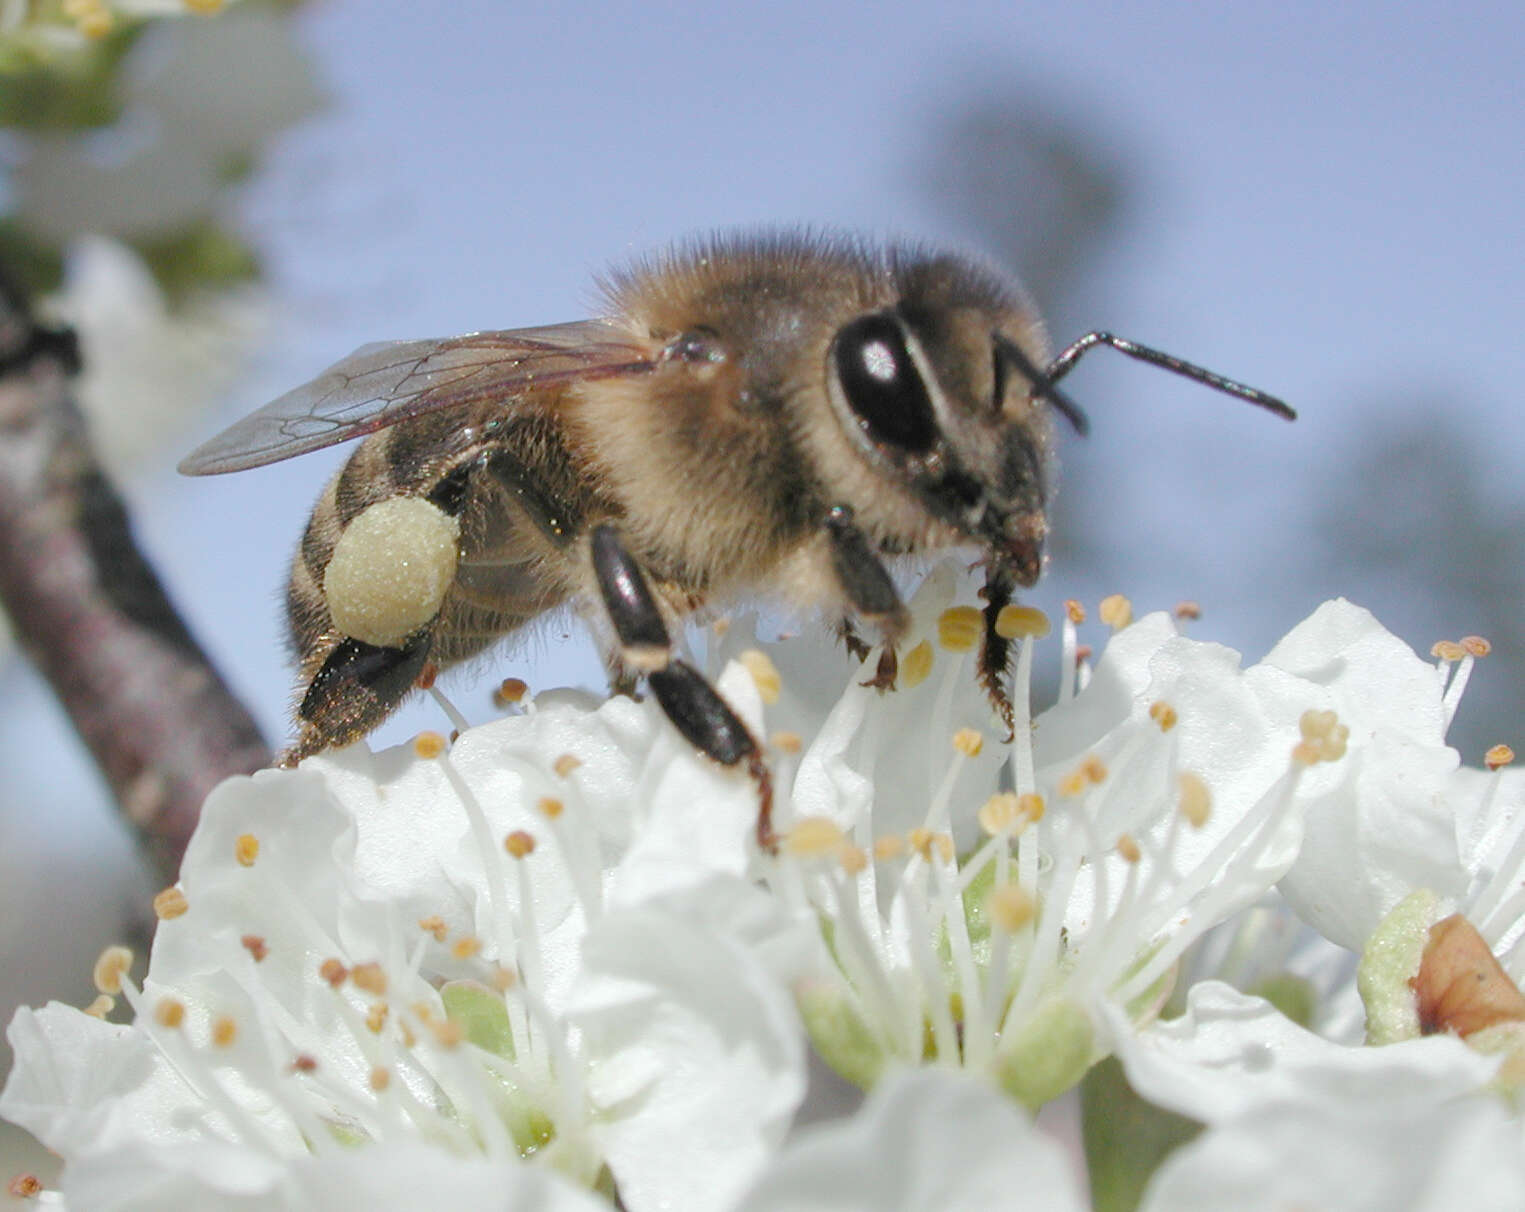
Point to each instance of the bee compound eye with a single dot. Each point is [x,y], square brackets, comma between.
[882,384]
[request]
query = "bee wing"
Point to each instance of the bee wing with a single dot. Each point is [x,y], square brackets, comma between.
[381,384]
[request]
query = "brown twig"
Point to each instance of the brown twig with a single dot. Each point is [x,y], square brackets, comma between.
[90,613]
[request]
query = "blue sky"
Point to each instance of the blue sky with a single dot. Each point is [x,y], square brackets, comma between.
[1322,200]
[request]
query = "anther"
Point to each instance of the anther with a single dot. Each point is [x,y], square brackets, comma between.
[1187,610]
[959,628]
[916,666]
[1011,907]
[1196,800]
[1163,714]
[302,1063]
[380,1079]
[169,1013]
[968,741]
[448,1033]
[1447,650]
[1021,622]
[369,978]
[920,840]
[549,807]
[1074,611]
[333,971]
[103,1005]
[1116,611]
[466,946]
[170,903]
[813,837]
[519,844]
[1127,848]
[429,745]
[246,849]
[1072,784]
[852,858]
[1475,646]
[510,691]
[224,1031]
[764,673]
[110,967]
[1001,813]
[427,676]
[255,946]
[1093,768]
[376,1017]
[888,846]
[787,742]
[1499,755]
[434,924]
[565,764]
[25,1186]
[1316,725]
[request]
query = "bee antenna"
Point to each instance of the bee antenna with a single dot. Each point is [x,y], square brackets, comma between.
[1062,365]
[1043,383]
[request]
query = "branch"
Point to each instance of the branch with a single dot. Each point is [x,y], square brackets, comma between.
[88,610]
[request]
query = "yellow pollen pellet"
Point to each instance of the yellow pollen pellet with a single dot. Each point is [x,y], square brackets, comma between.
[813,837]
[549,807]
[765,675]
[110,967]
[1001,813]
[169,1013]
[255,946]
[103,1005]
[448,1033]
[1447,650]
[1115,611]
[434,924]
[920,840]
[369,978]
[1093,768]
[565,764]
[1475,646]
[519,844]
[170,903]
[1499,755]
[1196,799]
[302,1063]
[787,742]
[428,745]
[1128,848]
[1074,611]
[510,691]
[959,628]
[1011,907]
[376,1017]
[1315,725]
[1073,784]
[380,1079]
[889,846]
[334,972]
[246,849]
[968,741]
[1188,610]
[916,666]
[466,946]
[852,858]
[1163,714]
[224,1031]
[1021,622]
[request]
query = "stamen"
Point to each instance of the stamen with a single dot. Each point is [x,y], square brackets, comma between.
[813,837]
[765,675]
[549,807]
[255,946]
[1001,814]
[103,1005]
[509,692]
[25,1186]
[333,971]
[246,849]
[1074,611]
[1196,800]
[787,742]
[224,1031]
[1116,611]
[1163,714]
[916,666]
[457,721]
[110,967]
[429,745]
[968,742]
[1011,907]
[565,764]
[466,947]
[1187,610]
[519,844]
[959,628]
[435,925]
[369,978]
[1498,756]
[170,904]
[1013,621]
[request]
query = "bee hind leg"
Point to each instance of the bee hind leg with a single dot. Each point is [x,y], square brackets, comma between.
[695,708]
[356,687]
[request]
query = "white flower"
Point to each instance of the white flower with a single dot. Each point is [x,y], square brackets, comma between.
[1145,808]
[496,952]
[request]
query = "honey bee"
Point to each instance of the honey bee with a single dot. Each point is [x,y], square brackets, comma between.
[766,412]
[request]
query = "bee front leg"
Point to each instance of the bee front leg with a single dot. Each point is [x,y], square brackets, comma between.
[686,698]
[869,590]
[995,650]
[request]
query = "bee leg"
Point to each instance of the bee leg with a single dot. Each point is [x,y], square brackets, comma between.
[995,651]
[691,703]
[354,690]
[869,590]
